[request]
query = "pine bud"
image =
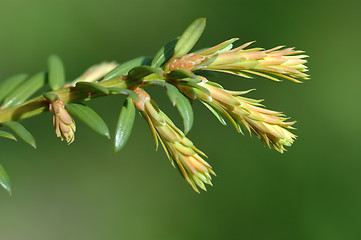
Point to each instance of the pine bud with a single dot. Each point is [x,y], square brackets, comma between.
[179,149]
[270,126]
[63,123]
[273,63]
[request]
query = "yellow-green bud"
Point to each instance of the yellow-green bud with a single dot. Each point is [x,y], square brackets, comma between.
[63,123]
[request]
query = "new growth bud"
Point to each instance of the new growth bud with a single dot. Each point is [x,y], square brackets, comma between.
[63,123]
[270,126]
[276,62]
[179,149]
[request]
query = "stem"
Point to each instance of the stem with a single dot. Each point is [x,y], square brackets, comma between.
[39,105]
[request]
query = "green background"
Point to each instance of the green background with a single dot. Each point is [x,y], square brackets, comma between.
[84,191]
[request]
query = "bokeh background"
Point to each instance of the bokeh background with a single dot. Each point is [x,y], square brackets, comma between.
[84,191]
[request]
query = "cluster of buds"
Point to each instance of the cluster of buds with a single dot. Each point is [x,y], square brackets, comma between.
[63,123]
[270,126]
[179,149]
[272,63]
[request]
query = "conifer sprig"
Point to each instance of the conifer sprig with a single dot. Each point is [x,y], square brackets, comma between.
[172,68]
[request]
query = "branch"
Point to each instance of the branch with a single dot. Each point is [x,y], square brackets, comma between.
[182,74]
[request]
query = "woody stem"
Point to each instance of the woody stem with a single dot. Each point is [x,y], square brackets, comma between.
[39,105]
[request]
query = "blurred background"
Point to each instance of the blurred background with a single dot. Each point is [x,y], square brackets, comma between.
[84,191]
